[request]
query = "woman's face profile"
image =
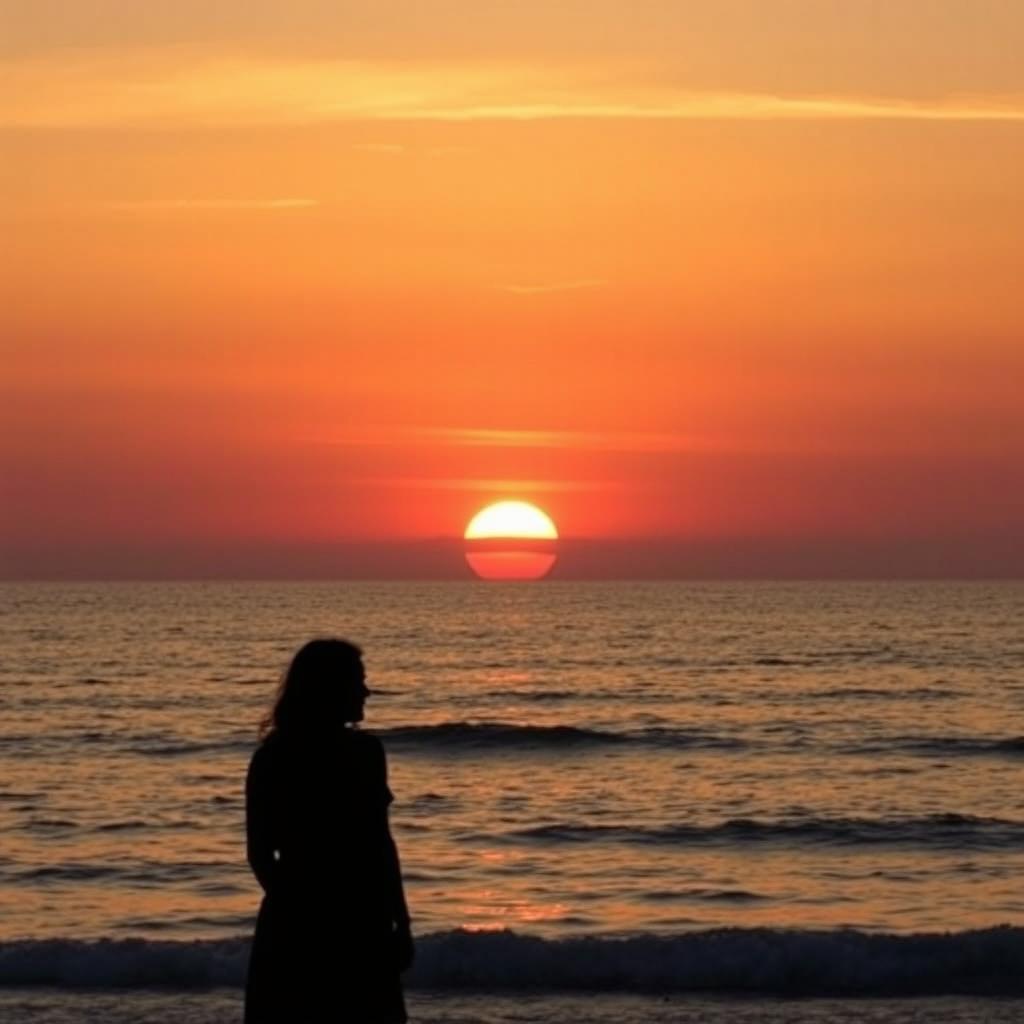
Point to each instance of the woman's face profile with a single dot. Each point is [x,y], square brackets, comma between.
[353,694]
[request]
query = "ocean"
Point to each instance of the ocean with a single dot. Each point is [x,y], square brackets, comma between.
[623,802]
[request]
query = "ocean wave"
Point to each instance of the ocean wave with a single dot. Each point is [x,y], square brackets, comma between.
[44,746]
[945,746]
[756,960]
[169,748]
[498,736]
[911,693]
[955,832]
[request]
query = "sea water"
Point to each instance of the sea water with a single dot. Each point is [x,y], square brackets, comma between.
[655,801]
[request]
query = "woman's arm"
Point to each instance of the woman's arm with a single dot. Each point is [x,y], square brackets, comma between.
[397,906]
[259,838]
[404,949]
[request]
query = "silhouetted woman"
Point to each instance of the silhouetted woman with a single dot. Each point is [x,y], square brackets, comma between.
[332,934]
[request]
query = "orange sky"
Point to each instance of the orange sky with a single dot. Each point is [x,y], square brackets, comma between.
[728,288]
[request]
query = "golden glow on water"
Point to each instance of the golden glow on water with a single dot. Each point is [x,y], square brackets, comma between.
[493,910]
[584,758]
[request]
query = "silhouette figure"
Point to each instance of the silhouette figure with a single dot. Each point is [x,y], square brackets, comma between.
[332,935]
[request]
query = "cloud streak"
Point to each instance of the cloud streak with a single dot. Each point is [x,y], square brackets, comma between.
[489,486]
[734,107]
[472,437]
[211,204]
[170,93]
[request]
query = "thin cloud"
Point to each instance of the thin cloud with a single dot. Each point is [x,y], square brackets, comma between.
[212,204]
[496,486]
[726,107]
[473,437]
[558,286]
[201,90]
[610,441]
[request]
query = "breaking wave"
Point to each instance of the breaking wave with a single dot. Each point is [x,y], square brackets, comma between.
[946,746]
[955,832]
[757,960]
[498,736]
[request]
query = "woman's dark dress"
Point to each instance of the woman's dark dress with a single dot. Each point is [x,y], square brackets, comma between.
[324,947]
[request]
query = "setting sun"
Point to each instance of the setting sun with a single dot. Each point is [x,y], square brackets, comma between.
[511,540]
[511,519]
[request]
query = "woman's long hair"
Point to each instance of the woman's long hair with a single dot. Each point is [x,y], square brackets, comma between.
[319,687]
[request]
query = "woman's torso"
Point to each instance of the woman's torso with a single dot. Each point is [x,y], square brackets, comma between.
[325,802]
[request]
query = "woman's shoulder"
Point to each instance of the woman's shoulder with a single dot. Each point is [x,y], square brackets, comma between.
[276,748]
[263,766]
[268,751]
[267,744]
[355,741]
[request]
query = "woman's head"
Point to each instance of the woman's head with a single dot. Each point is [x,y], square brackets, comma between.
[325,685]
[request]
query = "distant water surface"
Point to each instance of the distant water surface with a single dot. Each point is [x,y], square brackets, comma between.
[570,760]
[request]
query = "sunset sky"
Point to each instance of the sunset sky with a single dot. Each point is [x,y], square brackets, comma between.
[728,287]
